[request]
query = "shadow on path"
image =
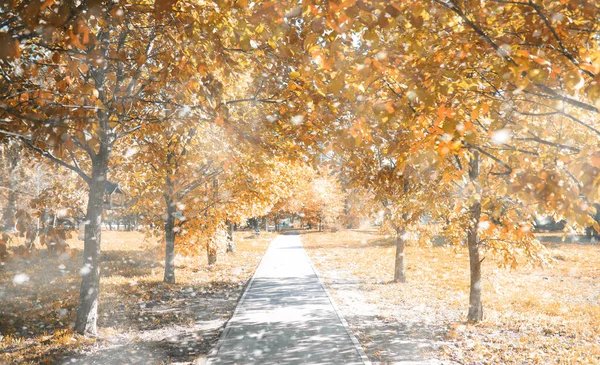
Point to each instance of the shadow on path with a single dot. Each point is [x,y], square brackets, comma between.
[286,316]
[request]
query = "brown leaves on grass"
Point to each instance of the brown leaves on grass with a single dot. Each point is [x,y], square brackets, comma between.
[531,315]
[36,313]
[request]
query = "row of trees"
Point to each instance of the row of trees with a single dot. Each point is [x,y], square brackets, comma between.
[87,84]
[473,114]
[476,114]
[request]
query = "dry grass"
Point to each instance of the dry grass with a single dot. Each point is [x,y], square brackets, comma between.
[532,315]
[36,315]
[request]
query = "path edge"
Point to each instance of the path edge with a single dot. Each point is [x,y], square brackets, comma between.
[357,345]
[210,357]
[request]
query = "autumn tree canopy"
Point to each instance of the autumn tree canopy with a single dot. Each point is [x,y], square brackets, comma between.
[473,114]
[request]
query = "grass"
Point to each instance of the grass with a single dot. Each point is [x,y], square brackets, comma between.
[39,298]
[532,315]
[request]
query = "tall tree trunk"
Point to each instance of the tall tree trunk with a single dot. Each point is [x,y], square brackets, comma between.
[87,310]
[211,254]
[230,240]
[400,262]
[170,241]
[11,208]
[13,154]
[211,251]
[266,224]
[475,303]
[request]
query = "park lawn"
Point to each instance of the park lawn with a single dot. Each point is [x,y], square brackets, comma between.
[135,305]
[531,315]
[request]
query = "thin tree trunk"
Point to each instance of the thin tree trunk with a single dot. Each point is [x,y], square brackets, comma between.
[475,303]
[170,242]
[266,224]
[87,310]
[211,251]
[10,209]
[400,262]
[211,254]
[230,240]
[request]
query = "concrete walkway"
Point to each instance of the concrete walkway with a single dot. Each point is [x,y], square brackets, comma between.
[285,316]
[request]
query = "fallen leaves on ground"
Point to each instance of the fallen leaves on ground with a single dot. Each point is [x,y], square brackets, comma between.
[39,300]
[531,315]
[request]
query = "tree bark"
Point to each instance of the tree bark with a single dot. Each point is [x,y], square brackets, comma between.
[475,303]
[11,208]
[170,242]
[87,310]
[230,240]
[13,157]
[211,251]
[211,254]
[400,263]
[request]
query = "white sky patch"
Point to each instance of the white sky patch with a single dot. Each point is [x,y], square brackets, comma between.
[558,17]
[131,151]
[297,119]
[501,136]
[185,111]
[20,279]
[483,225]
[381,55]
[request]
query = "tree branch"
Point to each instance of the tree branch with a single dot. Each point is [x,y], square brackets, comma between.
[49,155]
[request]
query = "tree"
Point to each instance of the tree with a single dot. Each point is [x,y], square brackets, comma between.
[497,92]
[10,161]
[76,88]
[173,175]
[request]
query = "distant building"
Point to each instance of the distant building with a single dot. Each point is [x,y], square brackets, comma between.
[114,197]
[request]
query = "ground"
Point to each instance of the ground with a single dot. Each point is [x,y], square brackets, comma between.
[532,315]
[547,315]
[142,320]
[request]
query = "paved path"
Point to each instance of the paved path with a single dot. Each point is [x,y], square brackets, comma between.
[285,316]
